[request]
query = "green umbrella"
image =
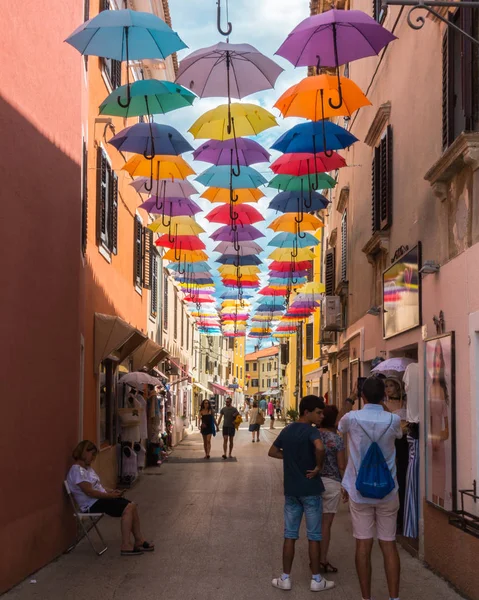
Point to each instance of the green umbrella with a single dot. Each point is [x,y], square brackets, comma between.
[290,183]
[148,97]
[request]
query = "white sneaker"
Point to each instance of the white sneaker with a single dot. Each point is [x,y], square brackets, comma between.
[321,586]
[282,584]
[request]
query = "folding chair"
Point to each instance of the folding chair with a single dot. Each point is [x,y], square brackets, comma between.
[87,522]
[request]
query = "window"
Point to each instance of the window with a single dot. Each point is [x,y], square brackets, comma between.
[165,301]
[309,341]
[262,367]
[107,204]
[86,10]
[330,272]
[382,183]
[175,318]
[84,199]
[241,372]
[379,13]
[107,403]
[268,383]
[237,371]
[285,353]
[154,285]
[142,255]
[254,382]
[182,328]
[111,68]
[344,247]
[255,366]
[269,366]
[275,365]
[460,93]
[247,367]
[187,336]
[310,273]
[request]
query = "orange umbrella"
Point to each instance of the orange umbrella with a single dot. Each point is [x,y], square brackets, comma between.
[185,256]
[288,222]
[223,195]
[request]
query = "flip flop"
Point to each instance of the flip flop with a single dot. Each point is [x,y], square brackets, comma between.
[134,552]
[146,547]
[224,457]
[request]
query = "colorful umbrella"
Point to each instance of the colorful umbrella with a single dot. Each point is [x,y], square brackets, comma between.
[314,137]
[289,223]
[291,240]
[186,256]
[290,202]
[245,248]
[290,183]
[285,254]
[248,119]
[161,167]
[303,265]
[193,268]
[242,234]
[151,139]
[177,226]
[304,164]
[232,270]
[180,242]
[246,215]
[246,152]
[239,261]
[223,177]
[241,195]
[174,207]
[165,188]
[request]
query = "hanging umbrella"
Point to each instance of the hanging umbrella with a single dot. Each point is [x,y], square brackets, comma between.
[174,207]
[180,243]
[148,97]
[231,270]
[138,379]
[242,196]
[246,215]
[286,254]
[290,183]
[248,119]
[303,265]
[246,152]
[287,274]
[289,223]
[193,276]
[268,291]
[245,248]
[151,139]
[160,167]
[309,137]
[312,287]
[290,202]
[223,177]
[303,164]
[242,234]
[186,256]
[397,364]
[177,226]
[195,267]
[230,294]
[165,188]
[240,261]
[290,240]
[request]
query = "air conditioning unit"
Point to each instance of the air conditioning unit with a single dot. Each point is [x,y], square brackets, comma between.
[331,312]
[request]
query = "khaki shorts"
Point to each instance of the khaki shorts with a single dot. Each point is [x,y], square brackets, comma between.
[331,495]
[370,520]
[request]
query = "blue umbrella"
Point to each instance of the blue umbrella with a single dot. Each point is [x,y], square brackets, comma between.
[270,304]
[291,240]
[196,267]
[241,261]
[311,138]
[221,177]
[283,280]
[151,139]
[196,281]
[233,294]
[290,202]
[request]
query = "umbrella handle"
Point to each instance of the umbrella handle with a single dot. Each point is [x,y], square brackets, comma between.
[235,171]
[177,258]
[128,92]
[301,234]
[160,205]
[218,21]
[236,245]
[336,60]
[163,219]
[300,212]
[171,238]
[145,153]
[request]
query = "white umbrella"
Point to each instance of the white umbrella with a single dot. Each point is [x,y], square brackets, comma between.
[138,378]
[397,364]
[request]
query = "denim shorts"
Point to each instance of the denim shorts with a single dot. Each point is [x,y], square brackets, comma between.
[294,507]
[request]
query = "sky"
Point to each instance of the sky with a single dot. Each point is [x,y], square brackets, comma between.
[264,24]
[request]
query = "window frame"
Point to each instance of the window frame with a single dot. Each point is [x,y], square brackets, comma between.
[107,203]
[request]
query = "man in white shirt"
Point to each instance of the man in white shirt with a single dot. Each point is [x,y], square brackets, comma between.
[372,517]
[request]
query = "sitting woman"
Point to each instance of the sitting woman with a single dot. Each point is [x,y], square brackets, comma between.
[92,497]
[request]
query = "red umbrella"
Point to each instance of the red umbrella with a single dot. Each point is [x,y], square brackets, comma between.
[247,215]
[268,291]
[180,242]
[299,164]
[244,284]
[302,265]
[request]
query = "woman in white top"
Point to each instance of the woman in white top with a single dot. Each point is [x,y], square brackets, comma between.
[253,425]
[92,497]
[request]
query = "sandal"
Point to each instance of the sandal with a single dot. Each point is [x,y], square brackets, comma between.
[224,457]
[327,568]
[146,547]
[134,552]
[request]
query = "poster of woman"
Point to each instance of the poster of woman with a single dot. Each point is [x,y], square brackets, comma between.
[440,419]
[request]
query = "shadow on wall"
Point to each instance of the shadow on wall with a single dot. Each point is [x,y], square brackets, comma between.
[40,308]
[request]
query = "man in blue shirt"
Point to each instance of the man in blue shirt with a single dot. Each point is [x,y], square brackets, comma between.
[263,405]
[300,447]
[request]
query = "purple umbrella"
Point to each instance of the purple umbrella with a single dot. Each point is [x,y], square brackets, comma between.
[165,188]
[174,207]
[245,248]
[151,139]
[287,274]
[246,152]
[241,234]
[334,38]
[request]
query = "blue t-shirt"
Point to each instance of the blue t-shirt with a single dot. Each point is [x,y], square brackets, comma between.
[299,456]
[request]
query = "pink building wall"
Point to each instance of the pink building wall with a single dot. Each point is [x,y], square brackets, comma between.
[40,170]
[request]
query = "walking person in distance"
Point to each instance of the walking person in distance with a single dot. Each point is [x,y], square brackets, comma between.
[300,447]
[206,421]
[271,414]
[254,419]
[229,413]
[372,487]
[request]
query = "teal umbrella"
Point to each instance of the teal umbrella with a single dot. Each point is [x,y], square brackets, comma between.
[292,240]
[222,177]
[291,183]
[148,97]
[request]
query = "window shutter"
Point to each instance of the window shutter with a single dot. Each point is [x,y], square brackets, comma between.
[309,341]
[104,5]
[102,197]
[385,179]
[147,257]
[165,301]
[344,246]
[137,254]
[84,206]
[115,74]
[86,10]
[447,95]
[467,18]
[375,190]
[154,284]
[330,271]
[113,214]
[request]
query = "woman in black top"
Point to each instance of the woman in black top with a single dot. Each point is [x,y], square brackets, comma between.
[206,421]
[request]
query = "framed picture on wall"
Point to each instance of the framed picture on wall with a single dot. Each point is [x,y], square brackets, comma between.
[440,421]
[402,294]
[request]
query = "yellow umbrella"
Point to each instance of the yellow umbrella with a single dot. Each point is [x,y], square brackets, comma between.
[223,195]
[178,226]
[161,167]
[284,254]
[232,270]
[248,119]
[312,287]
[186,256]
[287,222]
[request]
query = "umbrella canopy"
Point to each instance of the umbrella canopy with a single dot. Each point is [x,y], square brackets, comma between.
[290,183]
[246,152]
[137,379]
[249,119]
[246,215]
[125,35]
[221,177]
[285,254]
[180,242]
[287,274]
[174,207]
[312,287]
[239,261]
[269,291]
[287,222]
[164,188]
[232,270]
[187,256]
[148,97]
[304,164]
[151,139]
[177,226]
[397,364]
[291,240]
[228,70]
[311,137]
[242,234]
[334,38]
[317,98]
[160,167]
[291,202]
[214,194]
[302,265]
[193,268]
[245,248]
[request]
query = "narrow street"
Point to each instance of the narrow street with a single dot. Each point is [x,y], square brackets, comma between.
[217,526]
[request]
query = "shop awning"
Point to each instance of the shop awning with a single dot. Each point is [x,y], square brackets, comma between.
[115,339]
[148,355]
[219,389]
[202,387]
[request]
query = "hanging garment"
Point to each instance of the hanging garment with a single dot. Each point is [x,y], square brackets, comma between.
[411,503]
[411,386]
